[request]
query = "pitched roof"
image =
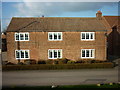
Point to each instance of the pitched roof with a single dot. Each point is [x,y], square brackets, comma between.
[112,20]
[55,24]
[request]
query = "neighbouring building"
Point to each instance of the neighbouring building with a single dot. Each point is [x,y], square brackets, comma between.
[43,38]
[4,43]
[113,35]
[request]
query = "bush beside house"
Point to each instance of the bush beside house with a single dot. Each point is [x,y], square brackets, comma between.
[55,61]
[57,66]
[64,63]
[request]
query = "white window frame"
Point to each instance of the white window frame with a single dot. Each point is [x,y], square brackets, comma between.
[89,36]
[53,36]
[90,50]
[24,54]
[23,36]
[53,53]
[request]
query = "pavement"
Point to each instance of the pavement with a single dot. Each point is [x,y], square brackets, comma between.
[59,77]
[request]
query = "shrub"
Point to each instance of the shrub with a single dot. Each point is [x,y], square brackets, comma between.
[49,61]
[80,61]
[41,62]
[4,62]
[20,63]
[9,63]
[98,61]
[55,61]
[71,62]
[57,67]
[92,61]
[29,61]
[63,61]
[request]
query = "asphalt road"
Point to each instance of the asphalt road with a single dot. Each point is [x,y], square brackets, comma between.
[59,77]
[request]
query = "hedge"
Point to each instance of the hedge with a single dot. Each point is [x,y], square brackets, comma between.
[57,66]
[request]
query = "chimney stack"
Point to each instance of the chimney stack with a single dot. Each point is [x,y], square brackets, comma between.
[99,15]
[42,15]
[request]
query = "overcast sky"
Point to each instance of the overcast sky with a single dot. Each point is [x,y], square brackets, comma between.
[25,8]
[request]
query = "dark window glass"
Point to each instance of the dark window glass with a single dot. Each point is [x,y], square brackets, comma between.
[91,36]
[26,36]
[50,54]
[59,54]
[17,36]
[55,36]
[50,36]
[22,54]
[17,54]
[83,35]
[83,53]
[21,37]
[55,54]
[59,35]
[87,53]
[26,54]
[87,35]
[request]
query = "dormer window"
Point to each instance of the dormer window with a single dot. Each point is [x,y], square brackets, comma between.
[55,36]
[87,36]
[22,36]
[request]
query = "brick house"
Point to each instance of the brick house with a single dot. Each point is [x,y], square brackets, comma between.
[113,34]
[43,38]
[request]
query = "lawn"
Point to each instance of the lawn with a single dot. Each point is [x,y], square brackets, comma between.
[59,87]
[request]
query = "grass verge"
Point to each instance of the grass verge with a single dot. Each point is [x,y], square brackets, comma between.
[59,87]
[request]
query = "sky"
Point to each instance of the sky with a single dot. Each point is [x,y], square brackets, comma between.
[58,8]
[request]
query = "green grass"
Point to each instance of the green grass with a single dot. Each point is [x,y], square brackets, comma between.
[91,86]
[59,87]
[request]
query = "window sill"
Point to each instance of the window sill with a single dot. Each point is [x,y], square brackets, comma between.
[22,58]
[55,40]
[54,58]
[87,57]
[87,40]
[22,40]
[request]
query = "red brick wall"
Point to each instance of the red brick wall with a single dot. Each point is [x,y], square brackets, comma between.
[71,45]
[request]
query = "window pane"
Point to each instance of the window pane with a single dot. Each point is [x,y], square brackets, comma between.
[50,35]
[87,35]
[83,35]
[55,36]
[59,35]
[50,53]
[17,54]
[22,54]
[26,54]
[83,53]
[17,36]
[21,37]
[55,54]
[87,53]
[59,53]
[92,53]
[91,35]
[26,36]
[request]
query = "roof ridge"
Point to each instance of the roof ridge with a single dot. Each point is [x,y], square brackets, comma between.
[110,16]
[55,17]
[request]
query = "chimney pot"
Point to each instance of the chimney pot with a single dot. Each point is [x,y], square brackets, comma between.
[99,15]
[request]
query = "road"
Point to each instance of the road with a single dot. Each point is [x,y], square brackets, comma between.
[59,77]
